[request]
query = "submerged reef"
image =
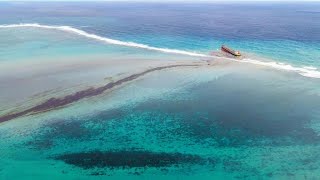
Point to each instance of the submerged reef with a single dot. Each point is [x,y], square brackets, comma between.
[128,159]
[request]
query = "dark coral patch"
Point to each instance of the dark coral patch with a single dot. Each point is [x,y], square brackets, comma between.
[127,159]
[56,130]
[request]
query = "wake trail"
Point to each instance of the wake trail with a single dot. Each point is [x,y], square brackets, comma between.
[311,72]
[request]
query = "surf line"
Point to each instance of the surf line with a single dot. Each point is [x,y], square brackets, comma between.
[73,30]
[306,72]
[53,103]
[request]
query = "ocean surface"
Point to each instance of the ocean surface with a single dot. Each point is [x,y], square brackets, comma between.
[255,118]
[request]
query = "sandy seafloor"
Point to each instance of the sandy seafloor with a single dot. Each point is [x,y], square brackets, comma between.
[223,120]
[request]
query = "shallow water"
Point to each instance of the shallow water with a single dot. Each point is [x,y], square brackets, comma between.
[224,119]
[211,122]
[284,32]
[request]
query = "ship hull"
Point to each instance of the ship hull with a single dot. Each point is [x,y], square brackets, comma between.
[229,51]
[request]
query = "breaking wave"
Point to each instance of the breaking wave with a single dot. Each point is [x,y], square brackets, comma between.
[73,30]
[304,71]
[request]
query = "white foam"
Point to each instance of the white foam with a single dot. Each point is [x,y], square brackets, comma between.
[304,71]
[307,72]
[106,40]
[310,67]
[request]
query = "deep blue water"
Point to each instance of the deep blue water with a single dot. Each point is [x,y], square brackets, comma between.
[297,21]
[225,121]
[284,32]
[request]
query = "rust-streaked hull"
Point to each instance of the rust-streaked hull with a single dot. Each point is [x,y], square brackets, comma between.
[230,51]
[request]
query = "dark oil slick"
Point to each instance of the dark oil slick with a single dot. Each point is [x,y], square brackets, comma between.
[59,102]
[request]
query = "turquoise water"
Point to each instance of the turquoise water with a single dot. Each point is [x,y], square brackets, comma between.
[286,33]
[197,114]
[229,120]
[31,44]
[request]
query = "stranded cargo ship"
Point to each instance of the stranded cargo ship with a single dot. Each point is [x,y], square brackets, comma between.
[230,51]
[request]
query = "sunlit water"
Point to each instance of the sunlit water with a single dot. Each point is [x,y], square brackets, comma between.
[233,120]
